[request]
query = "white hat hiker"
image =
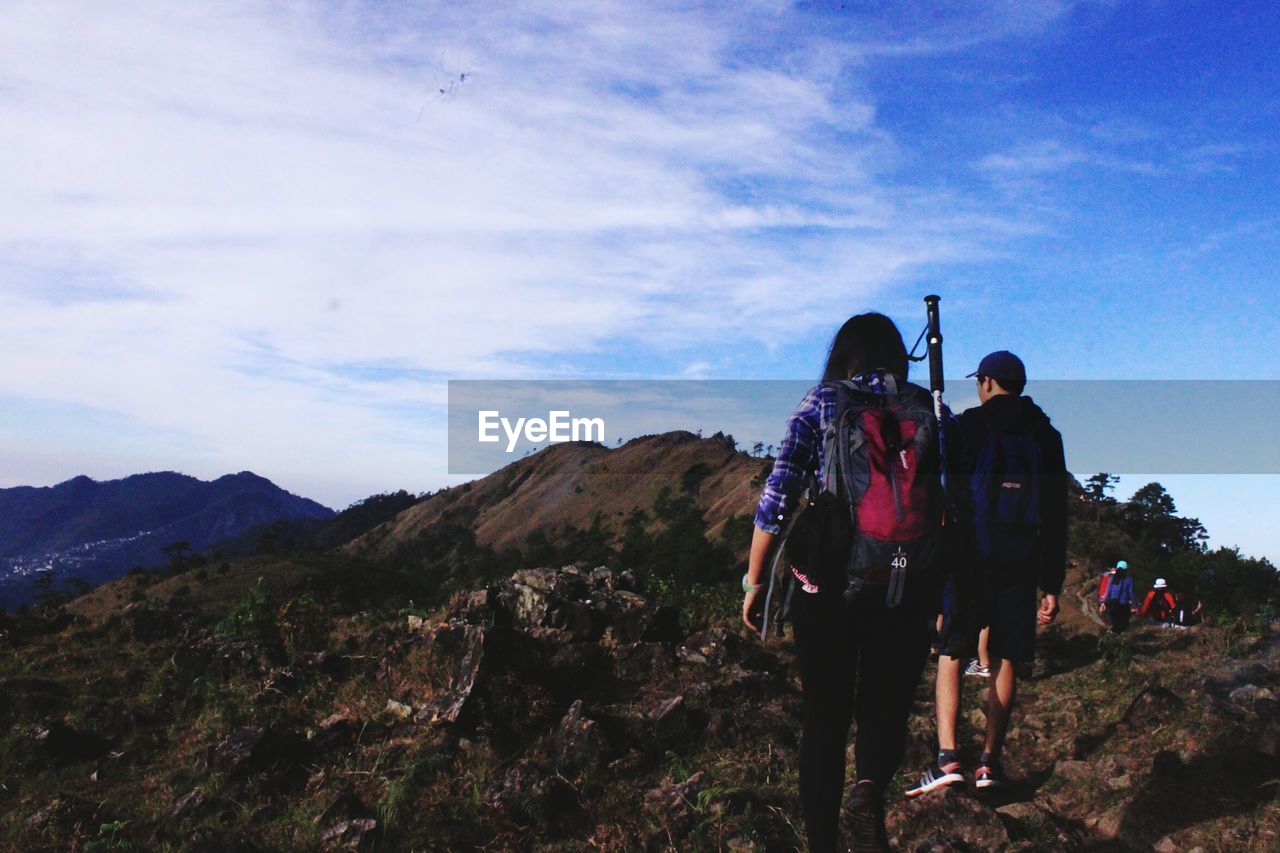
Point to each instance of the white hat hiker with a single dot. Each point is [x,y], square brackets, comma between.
[1160,584]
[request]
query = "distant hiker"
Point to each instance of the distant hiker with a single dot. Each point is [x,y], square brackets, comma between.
[1103,583]
[1121,602]
[1011,503]
[863,600]
[1187,610]
[1159,603]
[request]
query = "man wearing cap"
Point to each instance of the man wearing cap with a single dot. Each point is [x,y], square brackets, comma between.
[991,591]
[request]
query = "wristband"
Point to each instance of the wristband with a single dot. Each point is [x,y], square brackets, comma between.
[748,586]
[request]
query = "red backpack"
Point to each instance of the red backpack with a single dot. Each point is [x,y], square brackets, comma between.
[876,518]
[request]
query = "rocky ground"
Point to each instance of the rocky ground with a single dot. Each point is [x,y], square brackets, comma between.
[565,710]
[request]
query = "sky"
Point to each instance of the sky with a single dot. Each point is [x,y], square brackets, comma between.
[263,236]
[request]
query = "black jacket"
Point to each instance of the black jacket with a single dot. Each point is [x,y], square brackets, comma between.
[1008,413]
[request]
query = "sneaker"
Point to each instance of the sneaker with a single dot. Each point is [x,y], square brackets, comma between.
[865,813]
[937,776]
[989,775]
[975,668]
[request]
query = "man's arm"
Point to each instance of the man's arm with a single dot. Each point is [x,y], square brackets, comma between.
[1053,514]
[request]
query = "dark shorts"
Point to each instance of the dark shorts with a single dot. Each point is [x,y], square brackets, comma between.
[953,642]
[1009,610]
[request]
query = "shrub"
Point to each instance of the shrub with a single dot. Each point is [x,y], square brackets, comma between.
[254,618]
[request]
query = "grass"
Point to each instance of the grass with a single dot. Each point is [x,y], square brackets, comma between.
[427,797]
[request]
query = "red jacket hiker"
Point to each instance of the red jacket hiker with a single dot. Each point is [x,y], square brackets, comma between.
[1159,603]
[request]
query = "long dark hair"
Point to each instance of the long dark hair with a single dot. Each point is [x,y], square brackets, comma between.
[866,342]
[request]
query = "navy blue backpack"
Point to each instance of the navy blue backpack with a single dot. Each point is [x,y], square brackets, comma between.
[1005,489]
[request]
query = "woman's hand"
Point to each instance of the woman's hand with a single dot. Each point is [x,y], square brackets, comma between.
[753,609]
[762,544]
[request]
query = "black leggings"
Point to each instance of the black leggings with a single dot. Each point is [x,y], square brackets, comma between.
[1118,612]
[858,662]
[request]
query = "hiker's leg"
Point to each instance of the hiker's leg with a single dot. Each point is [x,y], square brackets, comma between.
[1012,642]
[947,699]
[826,659]
[1000,698]
[897,644]
[984,656]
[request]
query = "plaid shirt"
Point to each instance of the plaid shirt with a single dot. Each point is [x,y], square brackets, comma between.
[800,454]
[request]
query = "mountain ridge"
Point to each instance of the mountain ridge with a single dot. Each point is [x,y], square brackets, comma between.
[95,530]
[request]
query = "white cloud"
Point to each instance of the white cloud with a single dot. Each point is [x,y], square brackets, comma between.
[225,221]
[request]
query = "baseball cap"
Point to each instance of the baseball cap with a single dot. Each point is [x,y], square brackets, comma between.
[1122,565]
[1004,367]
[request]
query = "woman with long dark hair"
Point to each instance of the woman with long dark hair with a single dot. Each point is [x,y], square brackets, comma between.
[861,644]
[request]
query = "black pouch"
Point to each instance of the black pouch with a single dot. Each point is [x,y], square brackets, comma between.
[819,543]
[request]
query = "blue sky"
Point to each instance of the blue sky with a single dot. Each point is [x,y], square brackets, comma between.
[262,236]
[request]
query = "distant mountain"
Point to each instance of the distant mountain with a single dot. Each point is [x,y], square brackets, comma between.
[96,531]
[568,485]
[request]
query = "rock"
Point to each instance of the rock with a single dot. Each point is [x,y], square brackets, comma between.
[739,685]
[449,705]
[580,742]
[531,595]
[255,749]
[186,804]
[672,806]
[1247,694]
[1166,845]
[1020,811]
[579,667]
[580,620]
[475,608]
[634,618]
[333,730]
[398,710]
[1108,767]
[672,721]
[644,662]
[1109,824]
[358,834]
[1122,782]
[415,624]
[1075,771]
[714,647]
[947,820]
[221,658]
[526,794]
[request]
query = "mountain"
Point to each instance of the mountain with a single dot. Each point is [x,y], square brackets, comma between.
[321,700]
[95,531]
[568,485]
